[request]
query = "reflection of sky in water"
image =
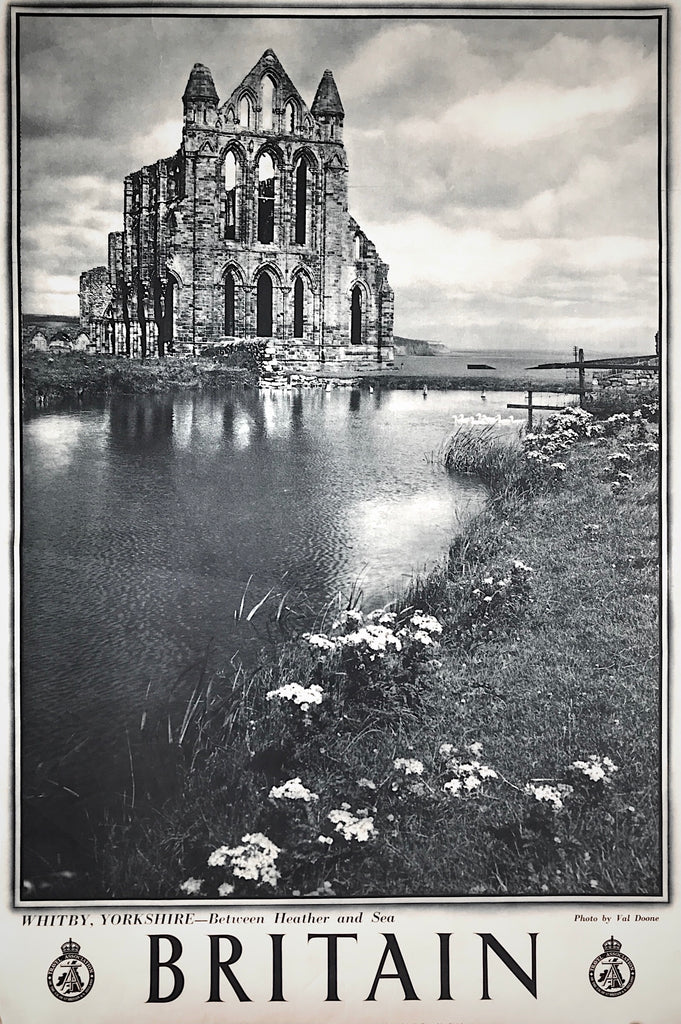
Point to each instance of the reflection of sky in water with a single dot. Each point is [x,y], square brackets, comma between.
[386,527]
[58,436]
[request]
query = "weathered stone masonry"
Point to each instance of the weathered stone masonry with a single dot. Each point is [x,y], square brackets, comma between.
[245,233]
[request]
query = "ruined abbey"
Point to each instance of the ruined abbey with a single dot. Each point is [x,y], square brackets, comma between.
[245,234]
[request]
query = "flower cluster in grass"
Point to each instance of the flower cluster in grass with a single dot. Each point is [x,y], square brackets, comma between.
[492,592]
[372,637]
[594,771]
[448,781]
[295,703]
[253,860]
[293,789]
[553,796]
[409,765]
[491,599]
[369,655]
[554,437]
[357,827]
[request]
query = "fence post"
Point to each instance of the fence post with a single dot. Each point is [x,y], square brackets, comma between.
[529,409]
[581,378]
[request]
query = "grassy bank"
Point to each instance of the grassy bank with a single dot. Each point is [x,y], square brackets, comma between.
[75,377]
[495,733]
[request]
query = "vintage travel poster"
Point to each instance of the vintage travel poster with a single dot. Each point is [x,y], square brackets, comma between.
[339,521]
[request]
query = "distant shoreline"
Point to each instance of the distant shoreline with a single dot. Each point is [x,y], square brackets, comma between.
[73,378]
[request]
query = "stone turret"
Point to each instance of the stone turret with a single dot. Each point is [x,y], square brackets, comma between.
[327,107]
[200,98]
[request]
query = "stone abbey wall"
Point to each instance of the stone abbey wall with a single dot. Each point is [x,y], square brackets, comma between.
[245,233]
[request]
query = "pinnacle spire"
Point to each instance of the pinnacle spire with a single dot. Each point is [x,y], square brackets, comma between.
[200,86]
[327,102]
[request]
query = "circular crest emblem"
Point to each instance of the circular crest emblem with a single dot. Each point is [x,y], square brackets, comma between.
[612,973]
[70,976]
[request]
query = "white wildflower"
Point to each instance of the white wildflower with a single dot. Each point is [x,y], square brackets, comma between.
[409,765]
[359,827]
[325,840]
[382,617]
[453,786]
[546,794]
[596,769]
[254,859]
[421,637]
[519,566]
[192,886]
[300,695]
[475,748]
[320,640]
[353,617]
[293,789]
[376,638]
[426,622]
[471,776]
[225,889]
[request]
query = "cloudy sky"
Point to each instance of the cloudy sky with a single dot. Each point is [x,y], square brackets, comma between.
[505,168]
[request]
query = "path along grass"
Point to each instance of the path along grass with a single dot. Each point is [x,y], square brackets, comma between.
[496,733]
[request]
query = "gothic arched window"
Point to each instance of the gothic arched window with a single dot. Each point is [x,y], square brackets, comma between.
[301,203]
[356,316]
[290,117]
[267,89]
[230,305]
[169,312]
[298,307]
[245,112]
[264,306]
[266,180]
[230,195]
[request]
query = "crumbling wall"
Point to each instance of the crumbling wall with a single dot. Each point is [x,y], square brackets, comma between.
[95,295]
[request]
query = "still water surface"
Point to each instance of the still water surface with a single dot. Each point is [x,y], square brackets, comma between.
[144,520]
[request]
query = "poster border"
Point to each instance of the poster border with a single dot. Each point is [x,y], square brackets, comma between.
[398,10]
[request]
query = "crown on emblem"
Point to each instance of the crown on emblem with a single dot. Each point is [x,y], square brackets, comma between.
[70,948]
[610,945]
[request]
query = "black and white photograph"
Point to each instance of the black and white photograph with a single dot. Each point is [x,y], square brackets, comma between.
[339,376]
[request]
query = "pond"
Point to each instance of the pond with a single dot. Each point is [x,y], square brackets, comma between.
[148,520]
